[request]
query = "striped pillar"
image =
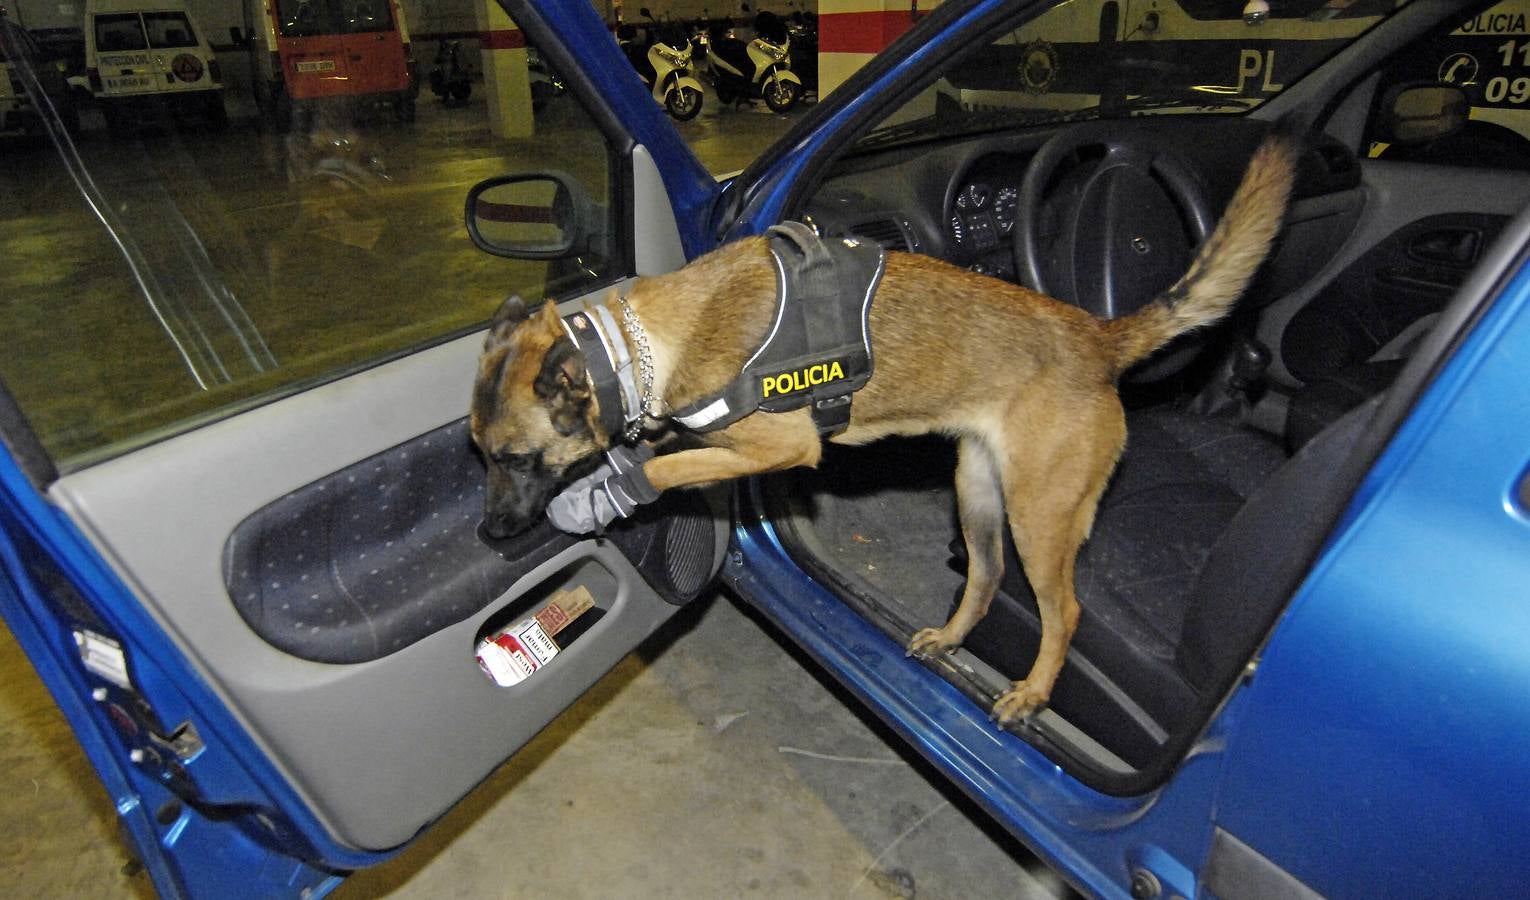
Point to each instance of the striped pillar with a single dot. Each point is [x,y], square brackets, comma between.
[852,31]
[505,82]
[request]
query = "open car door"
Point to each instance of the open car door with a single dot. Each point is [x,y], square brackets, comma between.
[250,571]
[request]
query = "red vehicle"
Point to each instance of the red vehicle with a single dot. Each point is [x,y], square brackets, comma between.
[312,51]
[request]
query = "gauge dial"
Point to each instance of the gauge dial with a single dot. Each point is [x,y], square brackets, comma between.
[1004,203]
[978,195]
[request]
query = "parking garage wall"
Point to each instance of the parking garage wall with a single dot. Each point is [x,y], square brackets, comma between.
[429,22]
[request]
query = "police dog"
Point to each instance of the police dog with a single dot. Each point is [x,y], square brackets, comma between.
[1026,385]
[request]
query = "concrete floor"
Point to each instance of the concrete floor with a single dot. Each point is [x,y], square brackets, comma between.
[713,762]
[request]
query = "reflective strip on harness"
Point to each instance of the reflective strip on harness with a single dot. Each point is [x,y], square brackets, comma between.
[818,351]
[699,420]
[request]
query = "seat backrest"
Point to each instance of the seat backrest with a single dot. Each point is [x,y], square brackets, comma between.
[1261,558]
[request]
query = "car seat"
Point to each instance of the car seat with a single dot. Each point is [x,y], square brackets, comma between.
[1193,542]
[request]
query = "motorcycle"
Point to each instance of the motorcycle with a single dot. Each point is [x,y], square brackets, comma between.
[664,61]
[451,79]
[760,69]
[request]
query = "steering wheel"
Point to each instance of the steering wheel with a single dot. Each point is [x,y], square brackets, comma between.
[1129,233]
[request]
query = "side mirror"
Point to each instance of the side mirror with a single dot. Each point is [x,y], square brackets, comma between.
[535,215]
[1416,114]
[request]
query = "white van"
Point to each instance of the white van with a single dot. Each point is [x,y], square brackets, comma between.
[18,114]
[145,51]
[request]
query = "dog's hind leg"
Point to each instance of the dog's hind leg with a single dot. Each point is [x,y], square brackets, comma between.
[1052,487]
[980,507]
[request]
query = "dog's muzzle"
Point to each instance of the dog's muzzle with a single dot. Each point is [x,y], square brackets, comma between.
[515,500]
[517,496]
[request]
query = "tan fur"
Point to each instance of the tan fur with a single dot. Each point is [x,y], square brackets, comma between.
[1025,383]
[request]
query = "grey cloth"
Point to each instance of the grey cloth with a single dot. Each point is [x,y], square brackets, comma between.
[615,490]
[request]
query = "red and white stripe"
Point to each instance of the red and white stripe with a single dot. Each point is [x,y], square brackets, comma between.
[850,32]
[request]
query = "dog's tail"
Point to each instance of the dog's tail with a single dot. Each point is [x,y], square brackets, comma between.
[1225,262]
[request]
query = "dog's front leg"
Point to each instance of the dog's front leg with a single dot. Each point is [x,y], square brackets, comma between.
[763,442]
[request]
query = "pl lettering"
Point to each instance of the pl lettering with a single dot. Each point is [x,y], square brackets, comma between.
[1253,64]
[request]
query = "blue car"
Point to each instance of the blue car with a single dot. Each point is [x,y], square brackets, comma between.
[248,563]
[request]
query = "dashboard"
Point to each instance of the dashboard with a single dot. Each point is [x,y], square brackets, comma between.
[959,200]
[982,215]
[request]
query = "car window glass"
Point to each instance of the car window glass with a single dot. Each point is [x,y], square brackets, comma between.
[367,15]
[1486,56]
[731,85]
[169,29]
[1104,59]
[120,31]
[210,241]
[307,18]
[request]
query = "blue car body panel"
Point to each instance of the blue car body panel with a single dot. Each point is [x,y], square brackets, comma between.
[235,828]
[1377,751]
[1383,753]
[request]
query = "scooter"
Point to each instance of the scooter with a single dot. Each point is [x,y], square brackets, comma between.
[760,69]
[666,67]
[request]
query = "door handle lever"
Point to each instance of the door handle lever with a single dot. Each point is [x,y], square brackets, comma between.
[1451,246]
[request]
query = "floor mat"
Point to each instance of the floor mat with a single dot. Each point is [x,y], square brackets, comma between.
[887,513]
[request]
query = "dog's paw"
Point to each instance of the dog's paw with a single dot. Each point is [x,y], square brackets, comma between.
[1021,701]
[931,642]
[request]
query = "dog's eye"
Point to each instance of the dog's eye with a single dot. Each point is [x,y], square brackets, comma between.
[520,463]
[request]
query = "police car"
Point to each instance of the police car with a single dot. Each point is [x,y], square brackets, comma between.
[1301,666]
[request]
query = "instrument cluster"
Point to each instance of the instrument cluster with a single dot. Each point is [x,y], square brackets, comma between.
[982,218]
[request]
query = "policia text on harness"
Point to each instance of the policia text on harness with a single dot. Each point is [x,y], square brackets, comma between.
[817,353]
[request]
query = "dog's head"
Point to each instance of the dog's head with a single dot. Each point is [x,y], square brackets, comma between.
[533,416]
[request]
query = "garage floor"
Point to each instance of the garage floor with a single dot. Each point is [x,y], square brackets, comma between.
[714,762]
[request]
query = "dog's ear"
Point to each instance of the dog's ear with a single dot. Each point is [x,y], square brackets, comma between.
[552,320]
[562,385]
[511,313]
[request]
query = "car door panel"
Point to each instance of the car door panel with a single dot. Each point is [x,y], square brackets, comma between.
[352,734]
[356,727]
[263,623]
[1397,202]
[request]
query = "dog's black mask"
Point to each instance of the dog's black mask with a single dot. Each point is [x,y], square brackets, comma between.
[520,487]
[541,439]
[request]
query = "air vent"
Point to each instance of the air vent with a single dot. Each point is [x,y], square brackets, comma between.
[890,233]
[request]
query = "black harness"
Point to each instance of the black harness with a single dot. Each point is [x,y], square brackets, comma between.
[818,351]
[595,333]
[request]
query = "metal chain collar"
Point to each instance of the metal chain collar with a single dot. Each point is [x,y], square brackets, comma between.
[652,406]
